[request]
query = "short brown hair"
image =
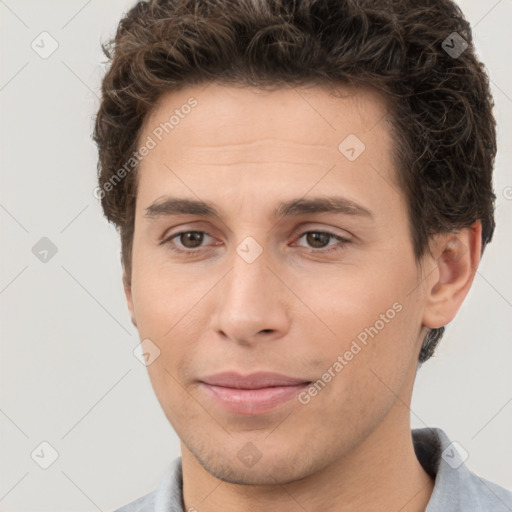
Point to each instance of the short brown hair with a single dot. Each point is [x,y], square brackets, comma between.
[442,120]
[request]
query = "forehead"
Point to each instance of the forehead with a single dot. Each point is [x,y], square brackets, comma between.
[218,137]
[223,114]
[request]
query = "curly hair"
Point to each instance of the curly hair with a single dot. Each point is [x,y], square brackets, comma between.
[442,115]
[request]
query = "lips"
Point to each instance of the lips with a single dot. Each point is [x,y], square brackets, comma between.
[252,394]
[253,381]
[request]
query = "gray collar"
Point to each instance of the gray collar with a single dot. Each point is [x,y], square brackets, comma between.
[456,488]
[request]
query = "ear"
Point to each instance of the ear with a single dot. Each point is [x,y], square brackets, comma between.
[128,294]
[455,257]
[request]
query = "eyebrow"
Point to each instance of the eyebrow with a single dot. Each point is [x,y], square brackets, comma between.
[294,207]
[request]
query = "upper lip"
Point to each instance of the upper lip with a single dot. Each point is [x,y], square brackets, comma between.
[252,381]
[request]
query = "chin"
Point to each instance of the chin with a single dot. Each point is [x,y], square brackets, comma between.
[236,467]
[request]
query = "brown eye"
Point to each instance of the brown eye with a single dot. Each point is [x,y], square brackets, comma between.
[318,240]
[186,241]
[191,239]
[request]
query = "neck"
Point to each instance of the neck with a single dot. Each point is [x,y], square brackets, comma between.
[380,474]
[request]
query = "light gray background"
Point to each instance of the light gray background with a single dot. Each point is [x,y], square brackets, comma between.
[68,375]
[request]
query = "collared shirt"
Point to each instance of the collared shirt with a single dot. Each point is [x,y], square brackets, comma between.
[456,488]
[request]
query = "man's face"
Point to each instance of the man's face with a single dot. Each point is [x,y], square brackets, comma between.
[266,293]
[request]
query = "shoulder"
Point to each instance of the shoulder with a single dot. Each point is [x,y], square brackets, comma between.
[456,487]
[486,495]
[143,504]
[168,496]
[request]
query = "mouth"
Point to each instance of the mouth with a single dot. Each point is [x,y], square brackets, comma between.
[253,394]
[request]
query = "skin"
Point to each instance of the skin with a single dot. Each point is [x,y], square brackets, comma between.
[291,311]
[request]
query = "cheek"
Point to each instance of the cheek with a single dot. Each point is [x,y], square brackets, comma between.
[352,300]
[170,313]
[158,316]
[363,374]
[374,322]
[159,301]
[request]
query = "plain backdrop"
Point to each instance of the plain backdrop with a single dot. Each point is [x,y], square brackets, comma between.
[68,374]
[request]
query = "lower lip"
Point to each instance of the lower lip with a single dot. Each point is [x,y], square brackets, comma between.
[252,401]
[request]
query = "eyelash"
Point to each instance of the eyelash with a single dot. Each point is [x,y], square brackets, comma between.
[342,242]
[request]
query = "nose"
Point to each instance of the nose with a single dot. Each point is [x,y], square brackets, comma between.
[252,302]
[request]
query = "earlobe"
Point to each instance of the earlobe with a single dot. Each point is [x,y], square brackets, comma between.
[456,258]
[129,299]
